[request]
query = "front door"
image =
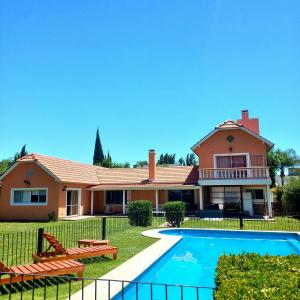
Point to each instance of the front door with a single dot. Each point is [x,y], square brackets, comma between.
[72,202]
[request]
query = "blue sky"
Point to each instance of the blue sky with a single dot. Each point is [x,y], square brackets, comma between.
[150,74]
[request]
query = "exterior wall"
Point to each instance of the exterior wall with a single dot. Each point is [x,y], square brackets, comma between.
[143,195]
[85,204]
[39,179]
[99,202]
[217,144]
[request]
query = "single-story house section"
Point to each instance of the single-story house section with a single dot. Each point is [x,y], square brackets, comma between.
[232,174]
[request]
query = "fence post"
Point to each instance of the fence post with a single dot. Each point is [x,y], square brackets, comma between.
[103,228]
[40,240]
[241,220]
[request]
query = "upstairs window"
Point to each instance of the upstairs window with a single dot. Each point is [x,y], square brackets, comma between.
[29,196]
[231,161]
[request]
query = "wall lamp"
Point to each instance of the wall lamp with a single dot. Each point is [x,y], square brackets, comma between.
[64,188]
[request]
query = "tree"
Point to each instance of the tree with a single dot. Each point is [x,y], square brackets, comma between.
[166,159]
[108,163]
[98,151]
[5,164]
[273,163]
[190,160]
[181,161]
[291,196]
[140,164]
[20,154]
[286,159]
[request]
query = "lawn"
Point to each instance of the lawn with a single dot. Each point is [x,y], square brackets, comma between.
[276,224]
[129,241]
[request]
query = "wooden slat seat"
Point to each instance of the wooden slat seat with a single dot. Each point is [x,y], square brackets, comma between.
[60,253]
[36,271]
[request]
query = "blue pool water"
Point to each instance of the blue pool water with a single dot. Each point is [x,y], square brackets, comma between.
[192,261]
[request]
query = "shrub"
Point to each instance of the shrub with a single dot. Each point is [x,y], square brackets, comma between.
[291,195]
[252,276]
[140,213]
[174,212]
[52,217]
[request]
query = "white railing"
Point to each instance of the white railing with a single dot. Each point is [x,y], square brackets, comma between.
[234,173]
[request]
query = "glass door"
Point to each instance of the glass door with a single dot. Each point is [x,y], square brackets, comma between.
[72,202]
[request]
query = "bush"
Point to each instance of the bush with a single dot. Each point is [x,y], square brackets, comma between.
[291,195]
[174,212]
[140,213]
[52,217]
[252,276]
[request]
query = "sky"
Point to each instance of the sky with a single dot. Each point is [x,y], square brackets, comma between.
[149,74]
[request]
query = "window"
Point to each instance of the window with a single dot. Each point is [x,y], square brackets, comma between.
[115,197]
[235,161]
[29,196]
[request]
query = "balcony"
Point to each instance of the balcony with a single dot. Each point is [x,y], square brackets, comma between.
[234,176]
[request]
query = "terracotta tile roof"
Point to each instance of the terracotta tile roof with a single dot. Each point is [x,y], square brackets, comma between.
[75,172]
[229,124]
[65,170]
[178,174]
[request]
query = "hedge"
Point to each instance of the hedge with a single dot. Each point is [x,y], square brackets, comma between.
[252,276]
[140,213]
[174,212]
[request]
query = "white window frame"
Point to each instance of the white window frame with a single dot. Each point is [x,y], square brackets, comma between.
[12,191]
[79,200]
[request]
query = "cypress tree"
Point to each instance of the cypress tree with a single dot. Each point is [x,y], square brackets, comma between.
[98,151]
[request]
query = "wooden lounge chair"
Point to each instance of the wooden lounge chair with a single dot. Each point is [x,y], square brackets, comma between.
[60,253]
[36,271]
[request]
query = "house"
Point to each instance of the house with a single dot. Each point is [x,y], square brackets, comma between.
[232,174]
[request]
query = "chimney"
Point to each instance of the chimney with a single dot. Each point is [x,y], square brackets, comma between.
[152,165]
[251,124]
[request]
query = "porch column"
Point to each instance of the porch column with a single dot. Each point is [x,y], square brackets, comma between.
[92,203]
[269,196]
[156,201]
[124,198]
[201,197]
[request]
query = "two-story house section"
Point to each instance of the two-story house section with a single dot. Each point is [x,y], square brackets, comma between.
[233,171]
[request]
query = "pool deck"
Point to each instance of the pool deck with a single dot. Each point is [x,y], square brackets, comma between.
[130,269]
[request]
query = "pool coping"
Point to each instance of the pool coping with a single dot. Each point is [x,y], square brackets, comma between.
[136,265]
[130,269]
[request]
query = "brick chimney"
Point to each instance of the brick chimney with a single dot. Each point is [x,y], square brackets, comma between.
[152,165]
[251,124]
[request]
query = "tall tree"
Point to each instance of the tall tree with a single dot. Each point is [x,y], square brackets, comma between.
[98,151]
[20,154]
[273,163]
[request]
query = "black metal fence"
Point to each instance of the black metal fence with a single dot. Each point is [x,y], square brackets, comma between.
[18,247]
[74,288]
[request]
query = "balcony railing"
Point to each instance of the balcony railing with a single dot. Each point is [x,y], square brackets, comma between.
[234,173]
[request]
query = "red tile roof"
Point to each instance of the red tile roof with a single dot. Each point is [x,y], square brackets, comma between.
[75,172]
[229,124]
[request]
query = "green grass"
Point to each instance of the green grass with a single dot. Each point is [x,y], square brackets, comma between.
[129,242]
[276,224]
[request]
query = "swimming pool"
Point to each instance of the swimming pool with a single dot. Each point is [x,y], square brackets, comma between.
[192,261]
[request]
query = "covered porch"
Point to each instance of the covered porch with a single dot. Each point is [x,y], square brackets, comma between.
[114,199]
[231,200]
